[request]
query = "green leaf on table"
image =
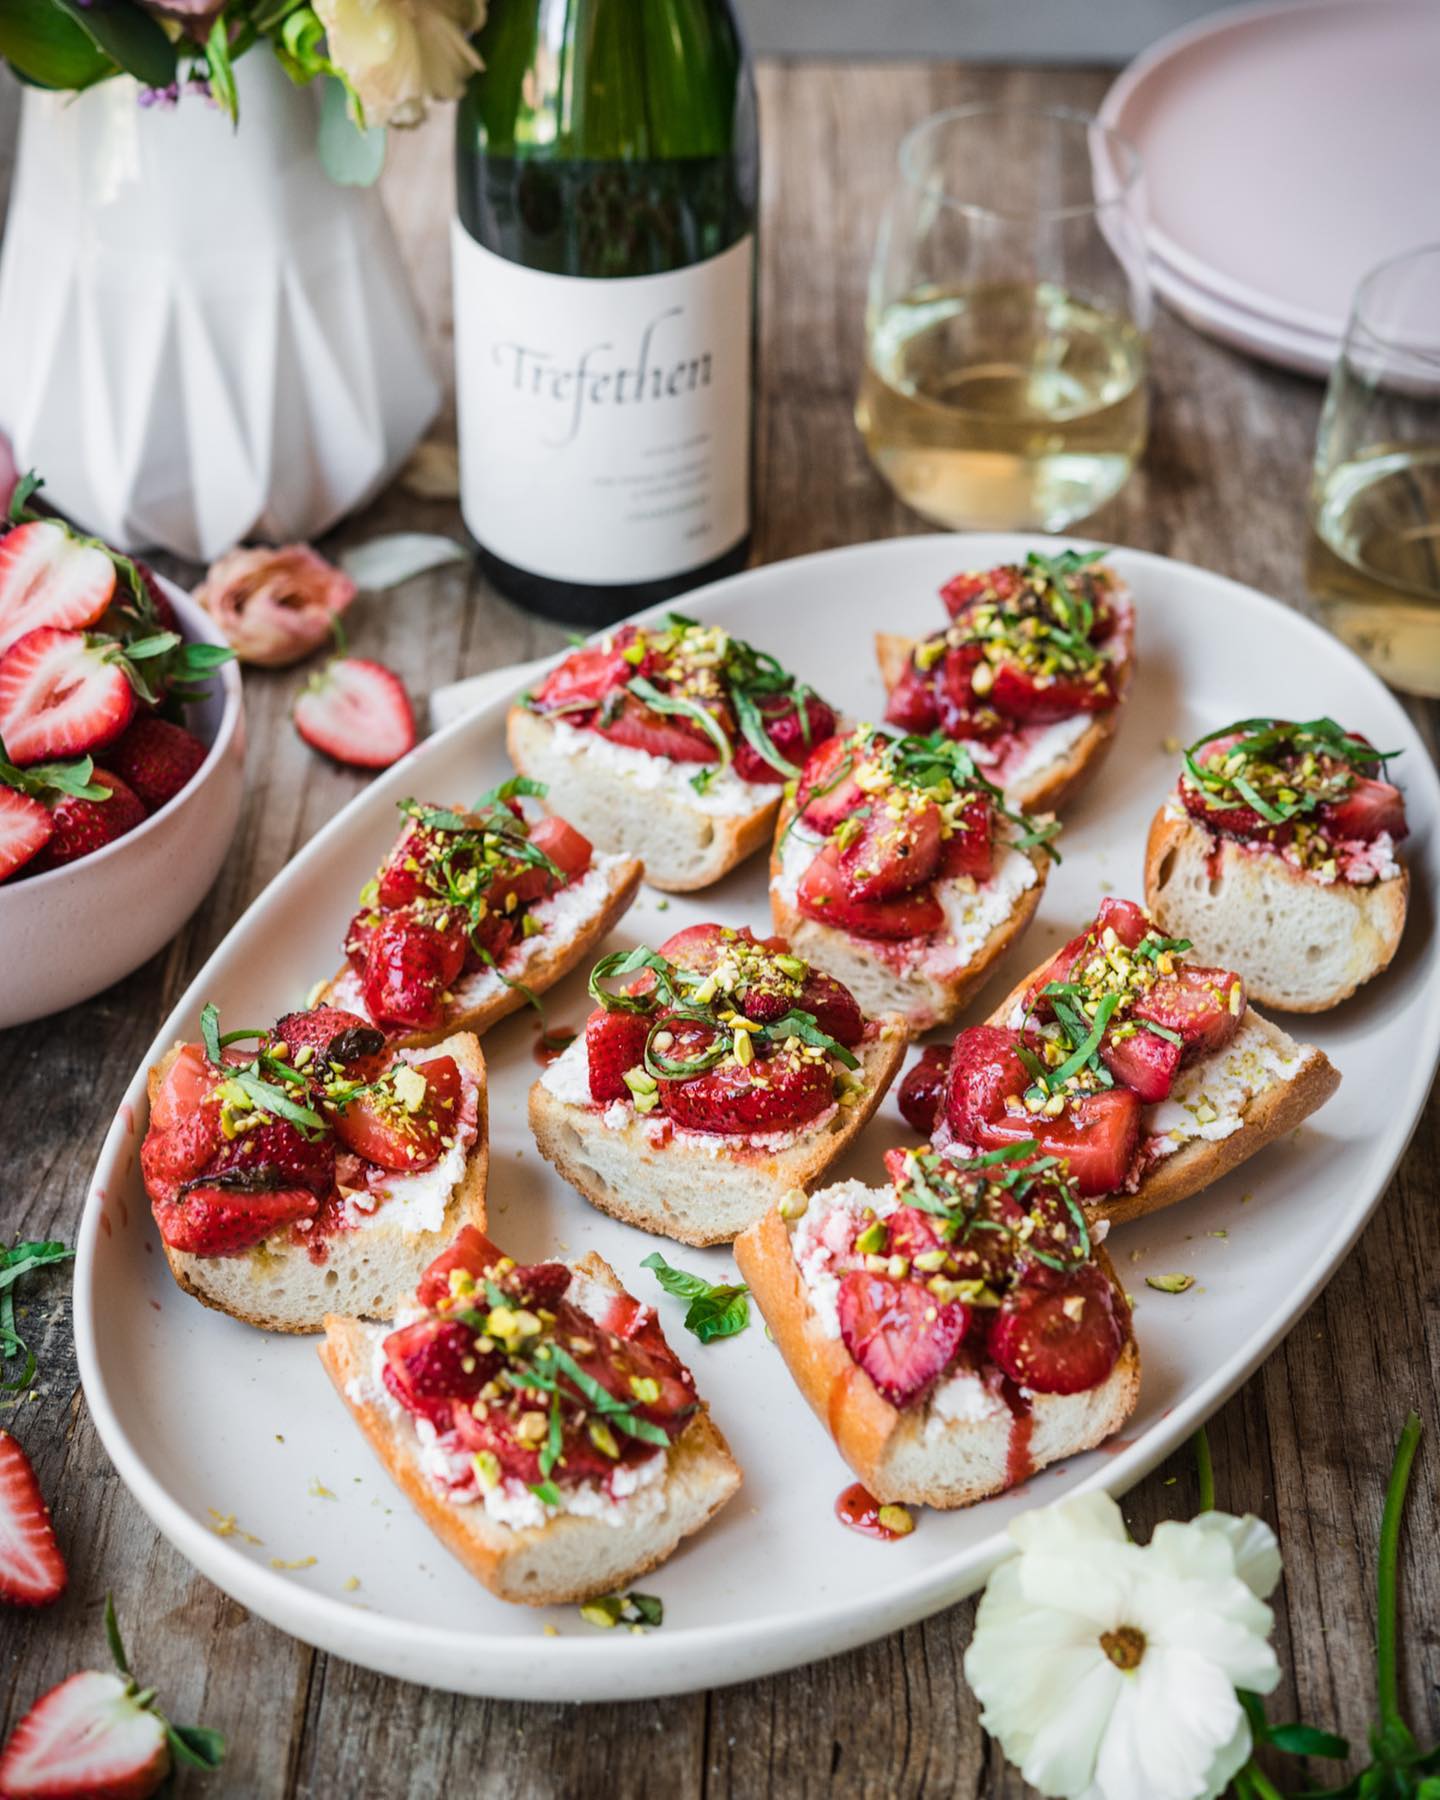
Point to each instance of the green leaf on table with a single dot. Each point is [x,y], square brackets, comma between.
[128,35]
[352,155]
[387,562]
[197,1745]
[716,1310]
[42,43]
[19,1260]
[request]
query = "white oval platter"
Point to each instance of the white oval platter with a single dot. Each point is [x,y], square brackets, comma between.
[206,1419]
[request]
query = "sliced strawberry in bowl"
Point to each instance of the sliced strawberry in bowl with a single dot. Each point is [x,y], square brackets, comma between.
[891,855]
[50,576]
[26,827]
[61,695]
[155,759]
[897,1333]
[403,1125]
[357,712]
[614,1042]
[32,1570]
[1059,1340]
[728,1098]
[824,894]
[84,824]
[921,1096]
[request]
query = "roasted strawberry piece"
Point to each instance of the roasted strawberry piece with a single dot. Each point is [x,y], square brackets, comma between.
[83,826]
[568,849]
[793,731]
[835,1009]
[824,894]
[472,1252]
[961,591]
[330,1033]
[184,1133]
[922,1092]
[895,850]
[985,1072]
[911,1233]
[1204,1006]
[1367,809]
[409,966]
[827,791]
[1238,821]
[436,1359]
[1096,1136]
[912,705]
[225,1221]
[404,1122]
[969,849]
[785,1091]
[1059,1340]
[61,694]
[897,1333]
[403,874]
[587,675]
[694,947]
[538,1284]
[1142,1061]
[1129,923]
[1041,700]
[639,727]
[275,1154]
[156,759]
[614,1042]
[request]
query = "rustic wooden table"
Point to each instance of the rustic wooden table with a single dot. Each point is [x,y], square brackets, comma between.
[1306,1443]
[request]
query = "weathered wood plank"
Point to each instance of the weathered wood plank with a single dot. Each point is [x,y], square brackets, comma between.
[1306,1443]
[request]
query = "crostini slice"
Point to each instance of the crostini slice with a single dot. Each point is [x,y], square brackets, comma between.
[1030,674]
[955,1331]
[723,1073]
[1275,853]
[899,869]
[474,914]
[1148,1073]
[537,1420]
[670,742]
[315,1166]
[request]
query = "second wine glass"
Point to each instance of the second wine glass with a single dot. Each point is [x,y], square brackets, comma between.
[1006,326]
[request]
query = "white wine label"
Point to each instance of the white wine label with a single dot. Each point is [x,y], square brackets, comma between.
[604,425]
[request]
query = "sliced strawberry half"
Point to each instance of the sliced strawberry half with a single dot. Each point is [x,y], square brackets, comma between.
[88,1739]
[783,1092]
[1368,808]
[824,894]
[61,695]
[614,1042]
[892,856]
[922,1093]
[400,1135]
[222,1221]
[897,1333]
[1096,1136]
[1059,1340]
[49,576]
[26,827]
[357,712]
[32,1570]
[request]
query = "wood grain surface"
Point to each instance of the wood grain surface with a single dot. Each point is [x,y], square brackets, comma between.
[1306,1443]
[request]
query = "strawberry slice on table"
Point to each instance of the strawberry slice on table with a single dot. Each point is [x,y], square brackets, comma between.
[921,1096]
[824,894]
[84,825]
[896,1333]
[26,827]
[61,695]
[890,856]
[155,759]
[32,1570]
[357,712]
[98,1737]
[1059,1340]
[401,1127]
[614,1042]
[50,576]
[1367,809]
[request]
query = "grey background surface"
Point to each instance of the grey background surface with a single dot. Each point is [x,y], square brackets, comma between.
[1048,31]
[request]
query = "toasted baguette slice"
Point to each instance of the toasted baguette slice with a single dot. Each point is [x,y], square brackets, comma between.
[481,998]
[894,977]
[277,1286]
[699,1192]
[1310,1078]
[1302,945]
[684,844]
[567,1559]
[1044,788]
[890,1449]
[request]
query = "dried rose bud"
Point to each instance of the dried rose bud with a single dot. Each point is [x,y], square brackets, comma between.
[275,606]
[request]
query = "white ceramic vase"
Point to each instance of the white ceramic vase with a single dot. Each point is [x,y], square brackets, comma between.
[202,337]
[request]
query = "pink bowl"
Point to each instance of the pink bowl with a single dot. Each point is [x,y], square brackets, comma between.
[70,932]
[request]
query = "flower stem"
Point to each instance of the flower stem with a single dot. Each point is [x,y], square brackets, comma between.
[1204,1470]
[1256,1782]
[1387,1607]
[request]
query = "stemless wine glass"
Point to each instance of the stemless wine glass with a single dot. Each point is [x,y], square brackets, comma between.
[1373,564]
[1007,320]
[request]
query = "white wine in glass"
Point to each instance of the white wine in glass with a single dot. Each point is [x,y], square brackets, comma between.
[1004,384]
[1003,404]
[1373,563]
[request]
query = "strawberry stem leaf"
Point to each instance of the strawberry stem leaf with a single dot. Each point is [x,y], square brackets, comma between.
[113,1638]
[197,1745]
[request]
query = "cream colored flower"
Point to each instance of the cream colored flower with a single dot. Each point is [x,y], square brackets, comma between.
[274,606]
[1108,1671]
[399,54]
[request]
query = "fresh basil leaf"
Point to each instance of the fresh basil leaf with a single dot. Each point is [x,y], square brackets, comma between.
[720,1313]
[678,1282]
[546,1493]
[269,1098]
[1160,1031]
[803,1025]
[516,787]
[197,1745]
[649,1607]
[210,1030]
[678,705]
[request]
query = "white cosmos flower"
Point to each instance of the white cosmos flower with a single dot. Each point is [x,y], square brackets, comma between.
[1108,1671]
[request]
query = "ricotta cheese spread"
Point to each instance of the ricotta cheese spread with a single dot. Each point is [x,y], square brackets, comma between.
[417,1202]
[725,794]
[1210,1098]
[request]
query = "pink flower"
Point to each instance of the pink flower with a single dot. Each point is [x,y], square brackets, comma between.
[274,606]
[9,475]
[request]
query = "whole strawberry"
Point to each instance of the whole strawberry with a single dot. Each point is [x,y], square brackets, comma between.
[98,1737]
[155,759]
[86,823]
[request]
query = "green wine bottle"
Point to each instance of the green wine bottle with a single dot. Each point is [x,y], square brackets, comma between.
[604,251]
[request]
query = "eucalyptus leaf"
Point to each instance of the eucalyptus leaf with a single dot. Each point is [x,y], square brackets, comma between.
[128,35]
[387,562]
[352,156]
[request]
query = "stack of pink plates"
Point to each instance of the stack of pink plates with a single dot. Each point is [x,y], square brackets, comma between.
[1288,148]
